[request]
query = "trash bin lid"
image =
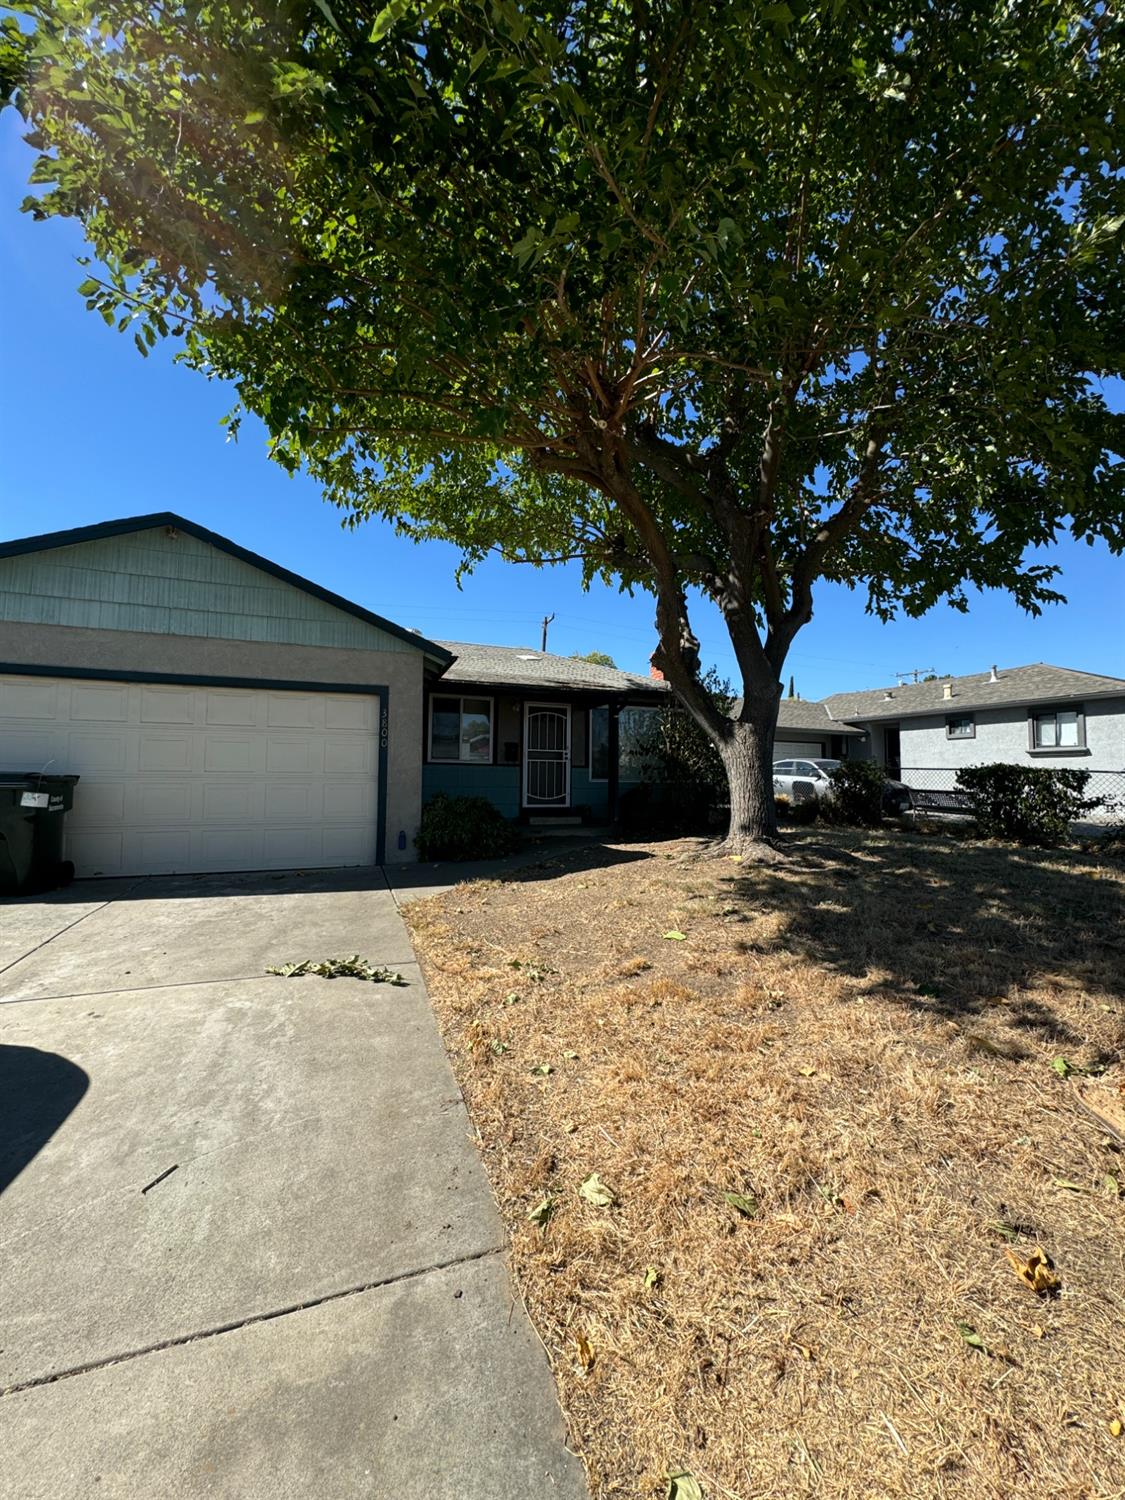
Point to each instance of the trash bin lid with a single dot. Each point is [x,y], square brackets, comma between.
[39,778]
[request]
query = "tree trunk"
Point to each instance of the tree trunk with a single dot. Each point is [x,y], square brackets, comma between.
[748,759]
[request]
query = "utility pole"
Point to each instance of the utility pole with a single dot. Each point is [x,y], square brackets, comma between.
[546,621]
[916,673]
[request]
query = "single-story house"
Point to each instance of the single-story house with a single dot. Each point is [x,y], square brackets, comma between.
[544,737]
[923,732]
[224,713]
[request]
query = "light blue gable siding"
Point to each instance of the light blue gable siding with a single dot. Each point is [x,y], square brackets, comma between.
[150,581]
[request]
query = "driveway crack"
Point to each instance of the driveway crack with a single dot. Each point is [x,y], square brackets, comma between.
[263,1317]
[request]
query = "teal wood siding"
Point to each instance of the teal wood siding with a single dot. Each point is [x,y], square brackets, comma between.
[587,793]
[149,581]
[500,785]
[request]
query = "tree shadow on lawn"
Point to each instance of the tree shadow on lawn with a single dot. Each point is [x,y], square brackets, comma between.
[951,928]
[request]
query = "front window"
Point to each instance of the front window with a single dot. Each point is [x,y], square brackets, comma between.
[461,729]
[634,733]
[1061,729]
[963,727]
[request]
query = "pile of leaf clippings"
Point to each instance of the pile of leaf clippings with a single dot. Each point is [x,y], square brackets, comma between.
[803,1194]
[352,967]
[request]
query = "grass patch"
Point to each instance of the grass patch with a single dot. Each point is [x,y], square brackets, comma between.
[820,1121]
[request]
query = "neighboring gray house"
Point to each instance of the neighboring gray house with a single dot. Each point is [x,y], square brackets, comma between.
[806,728]
[1033,715]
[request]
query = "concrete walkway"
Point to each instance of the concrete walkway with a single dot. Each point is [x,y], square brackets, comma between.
[248,1247]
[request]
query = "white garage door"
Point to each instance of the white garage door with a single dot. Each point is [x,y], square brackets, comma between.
[179,778]
[789,749]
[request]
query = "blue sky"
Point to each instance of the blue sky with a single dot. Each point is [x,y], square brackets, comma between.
[90,431]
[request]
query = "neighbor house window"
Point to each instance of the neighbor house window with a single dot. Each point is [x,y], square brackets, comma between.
[1059,729]
[634,733]
[963,727]
[461,729]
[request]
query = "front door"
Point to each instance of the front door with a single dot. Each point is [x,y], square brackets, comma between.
[892,752]
[546,755]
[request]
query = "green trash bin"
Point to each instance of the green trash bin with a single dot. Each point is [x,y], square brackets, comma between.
[33,805]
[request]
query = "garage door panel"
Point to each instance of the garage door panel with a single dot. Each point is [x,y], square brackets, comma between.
[165,802]
[30,749]
[101,802]
[788,749]
[95,851]
[295,711]
[160,705]
[350,713]
[303,755]
[286,801]
[104,753]
[348,799]
[233,753]
[233,709]
[347,846]
[105,702]
[193,779]
[29,698]
[232,801]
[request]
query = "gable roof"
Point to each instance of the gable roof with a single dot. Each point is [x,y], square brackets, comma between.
[524,667]
[129,524]
[1013,687]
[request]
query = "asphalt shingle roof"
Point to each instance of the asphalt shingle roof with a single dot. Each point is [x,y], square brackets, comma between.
[1038,683]
[524,667]
[810,716]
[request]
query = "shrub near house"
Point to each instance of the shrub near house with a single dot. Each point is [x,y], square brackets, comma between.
[1028,804]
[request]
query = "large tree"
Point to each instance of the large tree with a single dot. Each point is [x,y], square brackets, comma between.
[720,299]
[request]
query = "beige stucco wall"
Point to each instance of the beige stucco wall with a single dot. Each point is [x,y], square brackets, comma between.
[125,651]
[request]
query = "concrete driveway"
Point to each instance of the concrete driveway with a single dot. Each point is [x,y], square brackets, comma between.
[248,1248]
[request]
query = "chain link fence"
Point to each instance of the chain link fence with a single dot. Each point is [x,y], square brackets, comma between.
[937,786]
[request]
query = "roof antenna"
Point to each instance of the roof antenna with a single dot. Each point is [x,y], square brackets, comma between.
[546,621]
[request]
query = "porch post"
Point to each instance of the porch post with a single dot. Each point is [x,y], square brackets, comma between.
[614,752]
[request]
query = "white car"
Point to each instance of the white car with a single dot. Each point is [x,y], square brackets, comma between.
[801,779]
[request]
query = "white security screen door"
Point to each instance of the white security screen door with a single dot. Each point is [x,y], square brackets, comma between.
[546,755]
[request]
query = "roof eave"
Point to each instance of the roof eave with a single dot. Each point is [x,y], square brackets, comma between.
[953,705]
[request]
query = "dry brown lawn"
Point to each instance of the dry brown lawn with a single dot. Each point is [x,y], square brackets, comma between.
[865,1044]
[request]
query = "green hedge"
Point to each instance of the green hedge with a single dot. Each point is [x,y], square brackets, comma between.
[858,787]
[464,828]
[1027,804]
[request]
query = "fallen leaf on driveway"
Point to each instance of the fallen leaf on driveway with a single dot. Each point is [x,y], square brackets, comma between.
[585,1351]
[595,1191]
[352,967]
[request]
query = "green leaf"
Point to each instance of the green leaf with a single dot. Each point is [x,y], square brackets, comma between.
[652,1279]
[595,1191]
[683,1486]
[543,1069]
[972,1338]
[542,1211]
[745,1203]
[254,117]
[673,936]
[89,287]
